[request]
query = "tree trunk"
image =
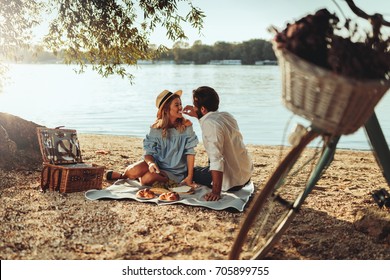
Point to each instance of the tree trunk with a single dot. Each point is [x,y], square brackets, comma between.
[19,147]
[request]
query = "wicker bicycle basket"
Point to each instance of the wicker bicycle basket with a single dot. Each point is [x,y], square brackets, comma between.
[333,103]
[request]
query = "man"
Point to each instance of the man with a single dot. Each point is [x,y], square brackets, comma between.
[230,166]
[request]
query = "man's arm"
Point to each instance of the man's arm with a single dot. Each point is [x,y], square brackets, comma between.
[215,193]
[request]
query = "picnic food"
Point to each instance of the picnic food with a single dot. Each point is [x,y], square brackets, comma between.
[158,190]
[314,39]
[145,194]
[183,189]
[169,196]
[163,187]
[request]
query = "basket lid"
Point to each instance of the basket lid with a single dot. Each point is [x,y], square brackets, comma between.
[59,146]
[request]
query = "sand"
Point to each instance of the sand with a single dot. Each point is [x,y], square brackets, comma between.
[339,220]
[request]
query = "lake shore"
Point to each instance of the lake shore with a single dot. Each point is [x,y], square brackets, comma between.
[339,220]
[252,94]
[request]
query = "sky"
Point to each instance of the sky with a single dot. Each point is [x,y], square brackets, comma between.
[242,20]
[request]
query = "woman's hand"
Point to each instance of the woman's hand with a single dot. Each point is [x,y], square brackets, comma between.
[153,168]
[187,182]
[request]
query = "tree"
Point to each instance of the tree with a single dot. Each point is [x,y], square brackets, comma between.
[222,50]
[105,33]
[252,51]
[201,54]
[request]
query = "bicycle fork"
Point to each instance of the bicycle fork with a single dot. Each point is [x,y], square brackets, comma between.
[325,160]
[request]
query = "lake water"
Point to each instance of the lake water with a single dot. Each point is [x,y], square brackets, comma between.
[54,95]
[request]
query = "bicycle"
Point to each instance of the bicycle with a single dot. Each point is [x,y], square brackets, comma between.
[275,206]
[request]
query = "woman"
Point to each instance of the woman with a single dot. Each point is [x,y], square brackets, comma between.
[169,147]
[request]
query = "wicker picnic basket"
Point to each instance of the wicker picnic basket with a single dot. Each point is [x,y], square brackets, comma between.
[333,103]
[63,168]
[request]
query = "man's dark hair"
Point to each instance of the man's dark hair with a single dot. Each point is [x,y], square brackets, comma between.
[206,97]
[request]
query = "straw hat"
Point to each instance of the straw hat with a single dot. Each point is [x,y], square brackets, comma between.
[162,98]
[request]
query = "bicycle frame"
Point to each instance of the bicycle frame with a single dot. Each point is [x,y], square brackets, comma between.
[379,145]
[323,163]
[281,198]
[380,150]
[277,194]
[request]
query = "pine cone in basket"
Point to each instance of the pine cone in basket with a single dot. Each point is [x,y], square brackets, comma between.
[313,38]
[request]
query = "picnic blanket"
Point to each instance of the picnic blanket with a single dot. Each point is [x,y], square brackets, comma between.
[127,189]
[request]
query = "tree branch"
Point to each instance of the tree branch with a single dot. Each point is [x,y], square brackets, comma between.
[360,13]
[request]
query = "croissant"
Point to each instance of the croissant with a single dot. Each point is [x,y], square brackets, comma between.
[145,193]
[169,196]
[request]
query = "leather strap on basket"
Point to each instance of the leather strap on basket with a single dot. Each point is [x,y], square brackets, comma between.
[59,176]
[45,183]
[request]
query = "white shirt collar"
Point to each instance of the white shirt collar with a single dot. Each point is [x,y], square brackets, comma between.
[202,119]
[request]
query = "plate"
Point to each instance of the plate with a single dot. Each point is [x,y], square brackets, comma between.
[183,189]
[158,190]
[145,198]
[166,201]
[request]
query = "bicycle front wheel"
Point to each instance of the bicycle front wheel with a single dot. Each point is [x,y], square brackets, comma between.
[275,206]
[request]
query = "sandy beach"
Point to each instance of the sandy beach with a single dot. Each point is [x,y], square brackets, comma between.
[339,220]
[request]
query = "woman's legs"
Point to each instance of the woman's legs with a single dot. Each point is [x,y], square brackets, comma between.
[149,178]
[136,170]
[113,175]
[140,171]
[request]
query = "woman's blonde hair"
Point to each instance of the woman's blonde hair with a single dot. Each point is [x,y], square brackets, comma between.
[163,122]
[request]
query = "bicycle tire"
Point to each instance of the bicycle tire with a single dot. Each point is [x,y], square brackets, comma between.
[270,224]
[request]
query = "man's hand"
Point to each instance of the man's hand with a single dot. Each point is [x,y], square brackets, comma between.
[215,193]
[212,196]
[190,111]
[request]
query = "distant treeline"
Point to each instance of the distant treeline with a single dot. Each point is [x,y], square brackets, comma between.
[247,52]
